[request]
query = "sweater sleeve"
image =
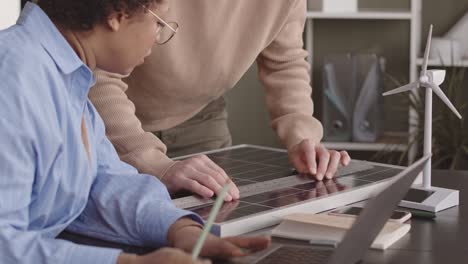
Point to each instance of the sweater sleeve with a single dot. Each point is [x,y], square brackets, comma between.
[124,206]
[141,149]
[283,71]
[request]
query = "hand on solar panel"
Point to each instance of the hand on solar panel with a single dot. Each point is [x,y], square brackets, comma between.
[315,159]
[200,175]
[216,247]
[163,255]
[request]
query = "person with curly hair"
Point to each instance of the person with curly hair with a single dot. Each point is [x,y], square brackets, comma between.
[173,104]
[58,170]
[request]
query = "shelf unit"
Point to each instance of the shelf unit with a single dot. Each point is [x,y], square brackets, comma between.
[439,63]
[363,14]
[413,16]
[388,142]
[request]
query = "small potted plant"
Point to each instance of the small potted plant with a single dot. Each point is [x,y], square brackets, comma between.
[449,134]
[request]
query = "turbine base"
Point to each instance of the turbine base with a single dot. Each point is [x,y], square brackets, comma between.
[434,199]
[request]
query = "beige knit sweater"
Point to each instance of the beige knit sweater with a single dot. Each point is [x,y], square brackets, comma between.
[217,42]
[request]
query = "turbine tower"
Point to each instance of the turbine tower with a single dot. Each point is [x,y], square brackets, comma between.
[429,198]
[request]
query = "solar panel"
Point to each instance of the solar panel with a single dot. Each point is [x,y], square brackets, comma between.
[270,188]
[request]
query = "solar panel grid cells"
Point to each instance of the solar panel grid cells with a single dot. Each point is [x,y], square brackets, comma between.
[246,211]
[253,156]
[228,164]
[251,170]
[263,173]
[282,193]
[301,193]
[240,182]
[278,198]
[377,173]
[249,165]
[233,171]
[233,153]
[273,176]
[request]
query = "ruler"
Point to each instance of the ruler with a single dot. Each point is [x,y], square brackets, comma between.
[271,185]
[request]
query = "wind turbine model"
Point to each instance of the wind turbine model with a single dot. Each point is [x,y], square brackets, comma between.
[429,198]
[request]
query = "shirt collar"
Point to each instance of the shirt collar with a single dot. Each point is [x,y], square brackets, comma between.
[38,24]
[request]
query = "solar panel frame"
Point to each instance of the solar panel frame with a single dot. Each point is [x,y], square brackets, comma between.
[251,165]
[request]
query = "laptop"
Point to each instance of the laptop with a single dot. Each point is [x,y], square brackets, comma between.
[358,239]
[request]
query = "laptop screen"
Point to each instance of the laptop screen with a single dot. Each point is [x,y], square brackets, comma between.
[374,216]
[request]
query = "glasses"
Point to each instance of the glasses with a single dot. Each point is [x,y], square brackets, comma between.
[165,30]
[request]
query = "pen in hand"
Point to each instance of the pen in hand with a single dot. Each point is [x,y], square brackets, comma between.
[210,221]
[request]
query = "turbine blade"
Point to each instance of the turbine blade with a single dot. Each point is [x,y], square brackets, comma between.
[426,52]
[401,89]
[444,98]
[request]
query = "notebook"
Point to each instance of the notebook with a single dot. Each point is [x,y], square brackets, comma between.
[331,227]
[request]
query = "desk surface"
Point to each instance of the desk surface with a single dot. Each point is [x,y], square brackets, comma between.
[442,240]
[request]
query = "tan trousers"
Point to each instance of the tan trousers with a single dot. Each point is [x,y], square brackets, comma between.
[207,130]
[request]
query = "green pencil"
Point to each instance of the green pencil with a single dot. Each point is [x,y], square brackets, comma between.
[209,223]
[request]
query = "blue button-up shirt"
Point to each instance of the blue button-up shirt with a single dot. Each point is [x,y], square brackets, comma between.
[47,182]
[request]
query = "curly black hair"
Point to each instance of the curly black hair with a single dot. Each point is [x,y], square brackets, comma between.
[84,14]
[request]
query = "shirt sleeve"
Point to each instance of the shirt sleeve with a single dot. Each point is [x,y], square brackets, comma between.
[284,73]
[125,206]
[18,244]
[141,149]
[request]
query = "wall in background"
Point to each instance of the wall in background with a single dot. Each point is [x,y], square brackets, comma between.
[249,121]
[9,11]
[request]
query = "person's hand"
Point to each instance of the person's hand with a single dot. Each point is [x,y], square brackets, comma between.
[216,247]
[185,237]
[163,255]
[315,159]
[200,175]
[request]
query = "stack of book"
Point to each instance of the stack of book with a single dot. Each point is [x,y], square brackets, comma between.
[325,227]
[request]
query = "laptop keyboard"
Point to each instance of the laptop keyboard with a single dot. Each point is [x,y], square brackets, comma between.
[297,255]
